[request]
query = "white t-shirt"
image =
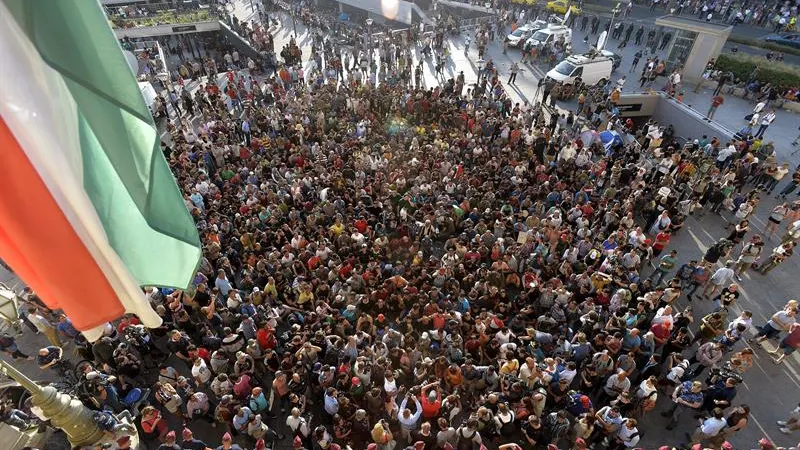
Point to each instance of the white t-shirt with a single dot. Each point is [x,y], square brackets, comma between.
[645,390]
[783,316]
[201,371]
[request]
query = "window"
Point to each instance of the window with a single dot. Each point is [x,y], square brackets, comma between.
[565,68]
[578,72]
[540,36]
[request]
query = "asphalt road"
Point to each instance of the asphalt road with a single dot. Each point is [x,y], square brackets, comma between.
[642,15]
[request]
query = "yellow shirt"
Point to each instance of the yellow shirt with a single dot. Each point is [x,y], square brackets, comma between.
[271,290]
[337,228]
[510,367]
[305,296]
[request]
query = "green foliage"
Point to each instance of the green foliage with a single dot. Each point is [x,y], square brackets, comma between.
[161,18]
[779,74]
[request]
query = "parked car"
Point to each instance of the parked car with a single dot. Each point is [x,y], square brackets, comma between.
[616,60]
[788,39]
[521,34]
[549,35]
[560,7]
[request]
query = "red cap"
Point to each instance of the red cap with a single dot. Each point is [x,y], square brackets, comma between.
[356,381]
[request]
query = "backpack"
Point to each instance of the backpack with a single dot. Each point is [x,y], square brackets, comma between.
[507,428]
[465,442]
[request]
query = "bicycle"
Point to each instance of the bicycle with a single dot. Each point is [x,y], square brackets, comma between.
[65,370]
[69,372]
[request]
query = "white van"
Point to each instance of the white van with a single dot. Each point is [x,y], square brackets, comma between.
[549,35]
[591,69]
[148,93]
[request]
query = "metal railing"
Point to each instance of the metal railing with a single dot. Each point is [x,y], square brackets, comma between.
[470,24]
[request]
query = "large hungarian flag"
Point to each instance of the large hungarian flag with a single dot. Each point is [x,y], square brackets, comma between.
[89,211]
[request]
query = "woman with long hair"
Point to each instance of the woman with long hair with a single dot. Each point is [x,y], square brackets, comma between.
[646,396]
[382,436]
[737,419]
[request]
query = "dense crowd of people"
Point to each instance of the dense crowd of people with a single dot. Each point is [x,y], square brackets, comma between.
[390,265]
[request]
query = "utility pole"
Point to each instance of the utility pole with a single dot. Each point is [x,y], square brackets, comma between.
[294,21]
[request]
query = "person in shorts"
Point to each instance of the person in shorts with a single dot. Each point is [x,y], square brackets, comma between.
[780,321]
[788,344]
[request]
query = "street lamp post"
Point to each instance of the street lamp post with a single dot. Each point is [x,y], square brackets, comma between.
[368,39]
[614,13]
[294,20]
[65,412]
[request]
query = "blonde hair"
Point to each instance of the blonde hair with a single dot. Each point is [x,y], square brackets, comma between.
[379,434]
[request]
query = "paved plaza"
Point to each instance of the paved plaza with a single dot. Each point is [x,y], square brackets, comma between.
[770,390]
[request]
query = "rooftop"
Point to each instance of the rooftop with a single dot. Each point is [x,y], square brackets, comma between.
[692,24]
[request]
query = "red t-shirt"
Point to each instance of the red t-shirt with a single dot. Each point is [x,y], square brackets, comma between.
[661,331]
[793,338]
[430,410]
[662,240]
[361,225]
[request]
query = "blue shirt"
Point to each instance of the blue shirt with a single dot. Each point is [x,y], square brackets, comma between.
[259,403]
[331,405]
[197,199]
[67,329]
[630,342]
[52,355]
[688,396]
[223,285]
[248,309]
[240,422]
